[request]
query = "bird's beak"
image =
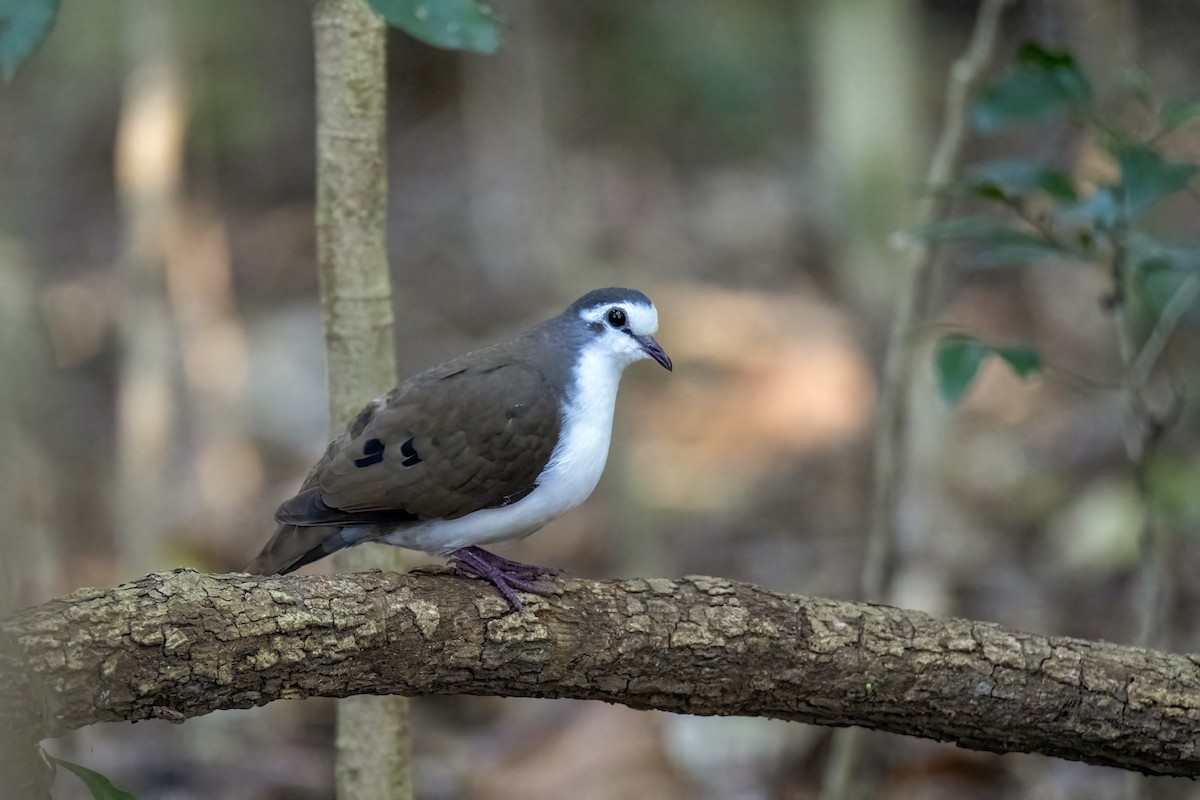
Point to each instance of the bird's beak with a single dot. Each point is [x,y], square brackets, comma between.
[654,350]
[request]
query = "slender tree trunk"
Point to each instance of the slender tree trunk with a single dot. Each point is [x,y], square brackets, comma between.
[29,476]
[866,57]
[26,482]
[894,418]
[372,732]
[148,162]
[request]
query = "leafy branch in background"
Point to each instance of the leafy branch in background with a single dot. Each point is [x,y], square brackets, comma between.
[1047,214]
[451,24]
[1099,221]
[958,357]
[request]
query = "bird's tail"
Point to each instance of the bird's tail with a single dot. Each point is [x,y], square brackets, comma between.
[293,546]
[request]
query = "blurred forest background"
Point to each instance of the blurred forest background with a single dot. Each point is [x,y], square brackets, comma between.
[746,165]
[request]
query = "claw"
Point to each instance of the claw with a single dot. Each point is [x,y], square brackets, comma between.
[507,576]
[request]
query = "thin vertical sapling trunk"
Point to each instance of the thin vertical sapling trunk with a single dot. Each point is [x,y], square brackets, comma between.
[356,297]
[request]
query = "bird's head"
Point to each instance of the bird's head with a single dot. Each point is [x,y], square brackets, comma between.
[620,325]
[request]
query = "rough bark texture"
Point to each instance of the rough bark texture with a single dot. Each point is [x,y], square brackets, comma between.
[175,645]
[356,296]
[356,291]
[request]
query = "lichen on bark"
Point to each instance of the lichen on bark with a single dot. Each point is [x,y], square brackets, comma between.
[176,645]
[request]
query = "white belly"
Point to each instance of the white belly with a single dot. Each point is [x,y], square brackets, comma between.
[570,476]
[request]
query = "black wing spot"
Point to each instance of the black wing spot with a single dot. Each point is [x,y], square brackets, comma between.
[411,459]
[372,453]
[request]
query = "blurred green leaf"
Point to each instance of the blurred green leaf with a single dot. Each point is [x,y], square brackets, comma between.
[452,24]
[1158,271]
[1147,178]
[100,786]
[1154,283]
[1035,56]
[1098,210]
[1179,257]
[1058,186]
[957,229]
[957,358]
[1015,247]
[1177,113]
[1015,177]
[1043,83]
[998,243]
[24,25]
[1024,361]
[989,190]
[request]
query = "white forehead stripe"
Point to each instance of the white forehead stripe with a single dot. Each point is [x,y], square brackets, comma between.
[643,319]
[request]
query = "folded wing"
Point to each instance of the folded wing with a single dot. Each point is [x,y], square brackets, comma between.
[441,445]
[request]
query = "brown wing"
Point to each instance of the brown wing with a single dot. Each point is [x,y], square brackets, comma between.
[441,445]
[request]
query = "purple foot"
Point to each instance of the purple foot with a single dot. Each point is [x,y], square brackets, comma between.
[507,576]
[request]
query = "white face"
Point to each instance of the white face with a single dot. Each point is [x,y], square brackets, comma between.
[617,324]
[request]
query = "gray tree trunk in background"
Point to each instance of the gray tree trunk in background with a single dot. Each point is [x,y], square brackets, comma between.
[356,296]
[28,475]
[148,162]
[866,63]
[27,553]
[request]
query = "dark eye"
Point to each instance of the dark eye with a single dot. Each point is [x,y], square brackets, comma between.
[616,317]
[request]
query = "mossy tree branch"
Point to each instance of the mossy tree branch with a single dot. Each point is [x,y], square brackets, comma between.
[177,645]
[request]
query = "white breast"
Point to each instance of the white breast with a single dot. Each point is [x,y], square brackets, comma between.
[570,476]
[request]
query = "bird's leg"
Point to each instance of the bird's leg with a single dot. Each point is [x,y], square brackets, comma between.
[507,576]
[517,568]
